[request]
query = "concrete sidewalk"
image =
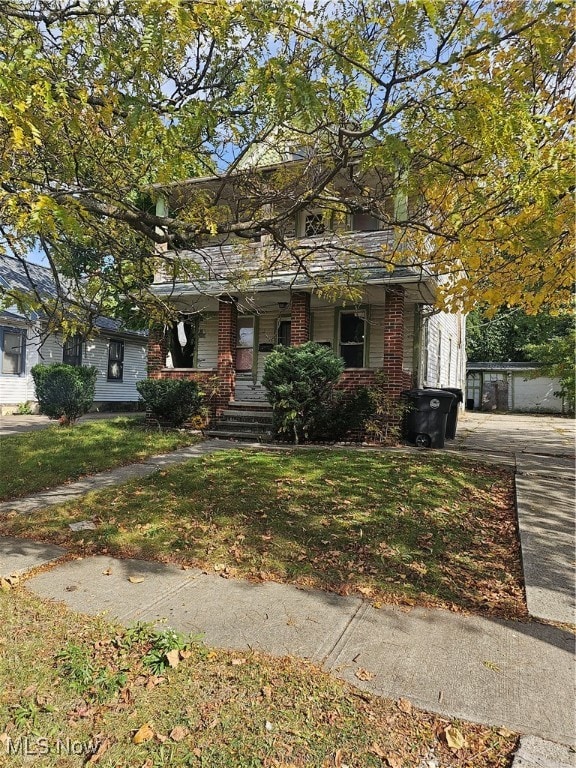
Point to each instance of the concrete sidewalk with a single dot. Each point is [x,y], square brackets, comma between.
[512,674]
[520,675]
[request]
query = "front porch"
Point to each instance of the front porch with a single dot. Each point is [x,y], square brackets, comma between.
[232,336]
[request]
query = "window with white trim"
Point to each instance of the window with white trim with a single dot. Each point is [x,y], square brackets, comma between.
[115,360]
[12,347]
[352,336]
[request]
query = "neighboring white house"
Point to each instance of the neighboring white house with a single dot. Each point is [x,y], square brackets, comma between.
[118,354]
[511,387]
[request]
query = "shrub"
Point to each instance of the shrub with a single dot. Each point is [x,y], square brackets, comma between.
[300,381]
[384,423]
[344,413]
[171,400]
[64,392]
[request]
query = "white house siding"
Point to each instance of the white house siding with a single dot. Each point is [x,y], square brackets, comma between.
[15,389]
[323,324]
[444,358]
[95,352]
[376,336]
[409,337]
[20,389]
[207,358]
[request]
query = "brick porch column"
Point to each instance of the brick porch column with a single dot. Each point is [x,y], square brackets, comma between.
[157,351]
[227,330]
[394,340]
[300,316]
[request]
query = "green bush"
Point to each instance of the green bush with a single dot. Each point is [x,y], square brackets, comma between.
[171,400]
[64,392]
[300,382]
[345,413]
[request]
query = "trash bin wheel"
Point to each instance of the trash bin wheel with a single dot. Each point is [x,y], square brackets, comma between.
[423,441]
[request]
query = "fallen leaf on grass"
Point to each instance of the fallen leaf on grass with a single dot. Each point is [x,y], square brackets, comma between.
[173,658]
[135,579]
[376,749]
[145,733]
[102,747]
[505,733]
[153,681]
[363,674]
[179,733]
[405,705]
[454,738]
[238,662]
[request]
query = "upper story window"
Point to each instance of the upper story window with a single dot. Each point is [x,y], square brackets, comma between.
[352,338]
[115,360]
[12,347]
[314,224]
[72,350]
[363,222]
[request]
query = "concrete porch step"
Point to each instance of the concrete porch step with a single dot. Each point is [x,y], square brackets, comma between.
[223,434]
[236,425]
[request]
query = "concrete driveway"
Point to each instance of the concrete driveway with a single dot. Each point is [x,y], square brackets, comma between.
[15,424]
[516,433]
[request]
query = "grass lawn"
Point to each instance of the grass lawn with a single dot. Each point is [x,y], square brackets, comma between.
[34,461]
[77,690]
[431,529]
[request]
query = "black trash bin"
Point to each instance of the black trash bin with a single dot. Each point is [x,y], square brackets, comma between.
[452,420]
[425,419]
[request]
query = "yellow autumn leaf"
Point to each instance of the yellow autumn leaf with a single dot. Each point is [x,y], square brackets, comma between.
[454,738]
[144,733]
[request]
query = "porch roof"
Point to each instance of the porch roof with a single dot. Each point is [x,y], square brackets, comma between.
[350,259]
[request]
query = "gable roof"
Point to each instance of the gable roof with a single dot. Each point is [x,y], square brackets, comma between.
[28,277]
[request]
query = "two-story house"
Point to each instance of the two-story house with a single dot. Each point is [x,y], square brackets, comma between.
[323,276]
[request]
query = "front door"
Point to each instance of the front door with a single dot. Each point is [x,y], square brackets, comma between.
[245,344]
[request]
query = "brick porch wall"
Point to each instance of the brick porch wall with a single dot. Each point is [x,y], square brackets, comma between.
[157,351]
[300,316]
[227,331]
[394,340]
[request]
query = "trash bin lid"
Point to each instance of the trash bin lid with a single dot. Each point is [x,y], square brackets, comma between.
[455,391]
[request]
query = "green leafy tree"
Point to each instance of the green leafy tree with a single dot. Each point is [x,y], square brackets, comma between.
[462,111]
[300,381]
[511,335]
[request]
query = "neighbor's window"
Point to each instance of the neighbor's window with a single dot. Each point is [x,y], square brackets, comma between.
[12,346]
[313,223]
[72,350]
[352,337]
[115,360]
